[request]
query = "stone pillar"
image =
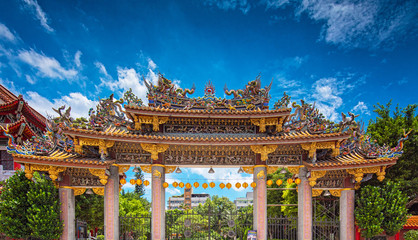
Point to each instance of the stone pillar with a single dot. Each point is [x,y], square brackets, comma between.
[260,202]
[304,207]
[67,200]
[158,202]
[347,229]
[111,205]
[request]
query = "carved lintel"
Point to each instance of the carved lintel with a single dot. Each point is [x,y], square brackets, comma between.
[170,169]
[101,143]
[101,173]
[316,192]
[314,176]
[79,191]
[55,171]
[98,191]
[311,147]
[122,168]
[263,150]
[336,192]
[156,121]
[154,149]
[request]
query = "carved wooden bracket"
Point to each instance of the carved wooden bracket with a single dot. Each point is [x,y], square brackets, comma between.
[101,143]
[249,170]
[264,150]
[98,191]
[154,120]
[154,149]
[53,171]
[358,173]
[263,122]
[79,191]
[294,170]
[313,146]
[336,192]
[316,192]
[146,168]
[101,173]
[314,176]
[271,170]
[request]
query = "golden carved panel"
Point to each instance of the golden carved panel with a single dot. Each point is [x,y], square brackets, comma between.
[249,170]
[336,192]
[78,191]
[154,149]
[98,191]
[263,150]
[316,192]
[146,168]
[101,173]
[271,170]
[101,143]
[156,121]
[314,176]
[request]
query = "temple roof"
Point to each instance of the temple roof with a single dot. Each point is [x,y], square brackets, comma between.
[20,127]
[411,222]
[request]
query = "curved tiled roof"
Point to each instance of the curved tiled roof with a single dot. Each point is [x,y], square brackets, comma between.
[287,138]
[412,222]
[69,160]
[14,127]
[258,113]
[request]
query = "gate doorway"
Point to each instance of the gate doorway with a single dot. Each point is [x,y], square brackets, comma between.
[326,222]
[207,224]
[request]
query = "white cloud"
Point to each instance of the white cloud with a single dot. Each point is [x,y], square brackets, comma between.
[77,57]
[403,81]
[275,3]
[9,85]
[173,191]
[226,5]
[46,66]
[6,34]
[130,78]
[364,23]
[39,14]
[79,103]
[361,107]
[327,95]
[30,79]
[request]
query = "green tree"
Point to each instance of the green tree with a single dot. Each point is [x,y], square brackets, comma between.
[369,211]
[135,211]
[394,211]
[90,209]
[44,212]
[139,189]
[14,206]
[290,197]
[280,196]
[386,129]
[411,235]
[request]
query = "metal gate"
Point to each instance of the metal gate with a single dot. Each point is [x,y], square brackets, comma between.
[326,213]
[282,227]
[209,224]
[137,227]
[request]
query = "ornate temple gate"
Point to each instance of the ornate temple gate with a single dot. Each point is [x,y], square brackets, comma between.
[175,130]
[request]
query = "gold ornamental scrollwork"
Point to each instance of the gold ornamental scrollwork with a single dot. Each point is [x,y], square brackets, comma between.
[261,175]
[381,174]
[263,122]
[98,191]
[146,168]
[314,176]
[154,149]
[156,121]
[101,173]
[170,169]
[263,150]
[28,171]
[316,192]
[79,191]
[122,168]
[55,171]
[101,143]
[156,174]
[271,170]
[336,192]
[358,173]
[313,146]
[249,170]
[294,170]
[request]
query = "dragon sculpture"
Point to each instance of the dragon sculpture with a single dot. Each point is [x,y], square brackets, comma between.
[283,102]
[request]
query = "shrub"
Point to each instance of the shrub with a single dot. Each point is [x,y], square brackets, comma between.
[411,235]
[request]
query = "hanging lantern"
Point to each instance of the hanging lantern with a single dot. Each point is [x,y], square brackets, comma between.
[269,182]
[238,185]
[289,181]
[181,184]
[212,184]
[245,185]
[253,184]
[205,185]
[175,184]
[165,185]
[222,185]
[298,181]
[228,185]
[146,182]
[188,185]
[139,181]
[279,182]
[122,181]
[196,185]
[132,181]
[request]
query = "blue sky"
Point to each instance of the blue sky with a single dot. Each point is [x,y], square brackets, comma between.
[342,55]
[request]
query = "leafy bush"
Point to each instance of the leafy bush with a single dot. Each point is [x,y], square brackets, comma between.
[411,235]
[100,237]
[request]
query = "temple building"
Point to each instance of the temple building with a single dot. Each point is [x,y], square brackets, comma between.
[244,201]
[23,123]
[175,130]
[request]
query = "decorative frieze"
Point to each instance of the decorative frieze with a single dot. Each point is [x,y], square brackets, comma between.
[262,123]
[154,149]
[101,173]
[358,173]
[155,121]
[263,150]
[101,143]
[313,146]
[314,176]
